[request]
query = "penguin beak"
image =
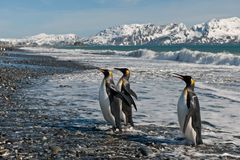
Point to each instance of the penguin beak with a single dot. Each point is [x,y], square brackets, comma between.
[178,76]
[101,70]
[106,72]
[119,69]
[123,70]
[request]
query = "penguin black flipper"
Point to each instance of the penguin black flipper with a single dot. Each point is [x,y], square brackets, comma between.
[112,88]
[130,99]
[129,90]
[128,95]
[194,112]
[133,94]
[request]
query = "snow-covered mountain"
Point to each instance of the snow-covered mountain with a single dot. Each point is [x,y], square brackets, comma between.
[219,31]
[213,31]
[45,40]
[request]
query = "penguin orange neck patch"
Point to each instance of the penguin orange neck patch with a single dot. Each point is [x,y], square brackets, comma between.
[110,73]
[192,83]
[127,72]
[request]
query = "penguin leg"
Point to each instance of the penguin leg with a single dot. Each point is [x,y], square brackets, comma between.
[116,111]
[128,112]
[130,119]
[123,118]
[122,114]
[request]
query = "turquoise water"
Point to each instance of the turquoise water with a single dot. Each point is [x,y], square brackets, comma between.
[228,48]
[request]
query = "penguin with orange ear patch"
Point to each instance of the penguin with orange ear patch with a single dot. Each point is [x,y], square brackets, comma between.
[109,100]
[188,109]
[124,86]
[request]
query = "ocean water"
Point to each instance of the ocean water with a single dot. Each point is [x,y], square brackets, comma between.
[216,70]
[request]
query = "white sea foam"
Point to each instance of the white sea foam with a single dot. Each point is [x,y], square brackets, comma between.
[184,55]
[189,56]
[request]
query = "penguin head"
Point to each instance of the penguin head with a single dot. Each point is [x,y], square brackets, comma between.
[125,71]
[187,79]
[107,73]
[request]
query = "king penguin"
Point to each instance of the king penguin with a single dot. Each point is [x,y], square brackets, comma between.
[188,109]
[124,86]
[109,100]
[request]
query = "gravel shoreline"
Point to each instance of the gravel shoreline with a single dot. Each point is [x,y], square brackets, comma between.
[27,133]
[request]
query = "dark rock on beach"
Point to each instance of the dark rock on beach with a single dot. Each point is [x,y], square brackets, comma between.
[33,133]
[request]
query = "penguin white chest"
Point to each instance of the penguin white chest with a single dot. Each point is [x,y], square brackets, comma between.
[119,85]
[182,109]
[190,132]
[105,104]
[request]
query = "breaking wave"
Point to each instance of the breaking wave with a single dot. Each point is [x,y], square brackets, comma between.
[189,56]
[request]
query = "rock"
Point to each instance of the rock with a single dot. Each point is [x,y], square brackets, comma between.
[44,138]
[3,152]
[55,149]
[144,150]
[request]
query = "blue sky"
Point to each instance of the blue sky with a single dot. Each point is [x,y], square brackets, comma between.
[20,18]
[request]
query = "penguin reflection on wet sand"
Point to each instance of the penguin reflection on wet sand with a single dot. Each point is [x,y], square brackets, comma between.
[109,100]
[188,109]
[124,86]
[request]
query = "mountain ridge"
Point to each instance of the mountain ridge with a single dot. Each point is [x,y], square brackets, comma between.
[44,39]
[215,31]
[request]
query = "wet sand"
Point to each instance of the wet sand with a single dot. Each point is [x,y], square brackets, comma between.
[33,133]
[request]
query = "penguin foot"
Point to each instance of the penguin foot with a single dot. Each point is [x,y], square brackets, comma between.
[119,130]
[113,129]
[116,129]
